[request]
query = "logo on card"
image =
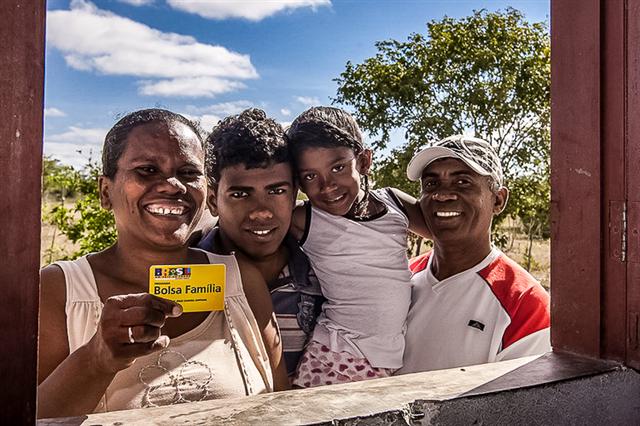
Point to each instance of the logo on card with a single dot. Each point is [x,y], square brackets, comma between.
[198,288]
[173,273]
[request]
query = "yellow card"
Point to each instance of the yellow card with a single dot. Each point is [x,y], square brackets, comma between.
[196,287]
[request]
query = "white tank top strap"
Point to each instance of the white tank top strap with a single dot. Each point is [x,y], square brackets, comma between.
[233,285]
[391,200]
[83,306]
[80,282]
[244,330]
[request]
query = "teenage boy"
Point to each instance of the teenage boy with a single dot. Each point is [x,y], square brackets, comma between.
[252,192]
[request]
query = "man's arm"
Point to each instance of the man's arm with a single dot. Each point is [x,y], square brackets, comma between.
[535,343]
[411,206]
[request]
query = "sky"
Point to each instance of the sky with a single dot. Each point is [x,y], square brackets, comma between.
[208,59]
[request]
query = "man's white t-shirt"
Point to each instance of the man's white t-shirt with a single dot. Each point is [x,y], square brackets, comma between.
[491,312]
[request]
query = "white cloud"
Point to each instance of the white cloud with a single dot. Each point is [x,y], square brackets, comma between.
[195,87]
[54,112]
[308,100]
[95,40]
[76,145]
[75,155]
[137,2]
[80,135]
[224,108]
[207,121]
[251,10]
[286,112]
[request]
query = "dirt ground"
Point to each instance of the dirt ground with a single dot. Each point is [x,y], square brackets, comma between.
[53,245]
[541,267]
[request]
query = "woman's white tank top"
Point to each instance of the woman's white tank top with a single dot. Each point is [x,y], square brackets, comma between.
[223,357]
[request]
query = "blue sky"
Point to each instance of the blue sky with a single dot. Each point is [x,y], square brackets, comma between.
[209,59]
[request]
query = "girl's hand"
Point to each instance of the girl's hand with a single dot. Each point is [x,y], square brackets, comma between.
[130,327]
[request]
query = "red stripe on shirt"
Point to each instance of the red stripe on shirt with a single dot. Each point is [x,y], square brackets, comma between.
[419,263]
[523,298]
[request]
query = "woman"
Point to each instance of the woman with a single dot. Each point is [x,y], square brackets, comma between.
[104,342]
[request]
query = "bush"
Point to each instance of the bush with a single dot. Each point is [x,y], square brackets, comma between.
[86,222]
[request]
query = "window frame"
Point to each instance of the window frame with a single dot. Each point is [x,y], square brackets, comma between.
[595,214]
[595,206]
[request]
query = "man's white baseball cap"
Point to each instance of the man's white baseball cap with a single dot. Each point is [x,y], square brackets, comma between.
[476,153]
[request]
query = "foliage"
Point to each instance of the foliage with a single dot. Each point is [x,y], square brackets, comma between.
[532,195]
[487,74]
[86,223]
[59,180]
[531,206]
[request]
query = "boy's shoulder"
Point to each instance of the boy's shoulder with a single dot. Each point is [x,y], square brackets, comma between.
[207,240]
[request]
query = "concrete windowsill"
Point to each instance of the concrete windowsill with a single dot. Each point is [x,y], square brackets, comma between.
[399,397]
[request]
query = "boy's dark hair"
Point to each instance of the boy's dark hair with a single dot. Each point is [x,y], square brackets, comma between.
[324,127]
[115,141]
[249,138]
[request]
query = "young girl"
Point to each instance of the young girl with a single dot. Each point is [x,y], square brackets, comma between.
[356,240]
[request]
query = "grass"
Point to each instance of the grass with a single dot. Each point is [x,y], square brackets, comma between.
[53,244]
[541,265]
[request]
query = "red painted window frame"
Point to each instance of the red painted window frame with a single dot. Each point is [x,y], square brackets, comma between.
[22,44]
[595,152]
[595,185]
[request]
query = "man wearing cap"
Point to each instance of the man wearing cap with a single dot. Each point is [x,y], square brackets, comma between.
[471,304]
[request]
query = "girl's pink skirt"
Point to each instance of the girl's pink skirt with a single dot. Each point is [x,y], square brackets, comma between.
[320,366]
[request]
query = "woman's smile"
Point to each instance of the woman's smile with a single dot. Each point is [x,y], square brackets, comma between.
[168,208]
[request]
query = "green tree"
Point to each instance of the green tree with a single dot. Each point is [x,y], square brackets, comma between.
[487,75]
[531,205]
[86,223]
[59,180]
